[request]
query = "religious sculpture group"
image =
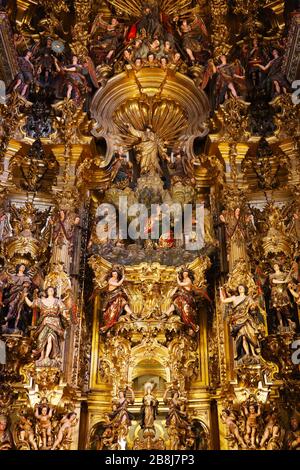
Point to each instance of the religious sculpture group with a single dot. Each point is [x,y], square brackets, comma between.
[149,225]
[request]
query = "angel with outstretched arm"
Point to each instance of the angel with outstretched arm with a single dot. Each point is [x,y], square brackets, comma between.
[116,300]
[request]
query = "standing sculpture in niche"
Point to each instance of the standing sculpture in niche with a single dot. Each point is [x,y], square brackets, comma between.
[280,300]
[120,418]
[51,327]
[14,287]
[115,300]
[63,224]
[244,323]
[236,221]
[149,149]
[149,407]
[184,299]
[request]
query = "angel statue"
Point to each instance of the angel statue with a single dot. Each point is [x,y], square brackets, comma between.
[64,436]
[184,299]
[120,418]
[252,413]
[25,78]
[271,438]
[229,419]
[227,78]
[115,299]
[192,35]
[75,80]
[51,326]
[177,415]
[275,80]
[149,407]
[280,301]
[13,289]
[149,148]
[110,39]
[25,433]
[244,322]
[43,414]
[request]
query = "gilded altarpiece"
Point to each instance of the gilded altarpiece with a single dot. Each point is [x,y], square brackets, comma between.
[149,225]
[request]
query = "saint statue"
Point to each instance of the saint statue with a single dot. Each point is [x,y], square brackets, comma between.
[13,288]
[51,325]
[115,301]
[245,327]
[64,223]
[149,407]
[177,415]
[184,299]
[280,301]
[149,148]
[120,418]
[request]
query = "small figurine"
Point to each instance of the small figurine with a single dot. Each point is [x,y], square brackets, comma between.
[251,424]
[6,441]
[229,419]
[43,414]
[26,432]
[149,407]
[64,435]
[116,299]
[271,435]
